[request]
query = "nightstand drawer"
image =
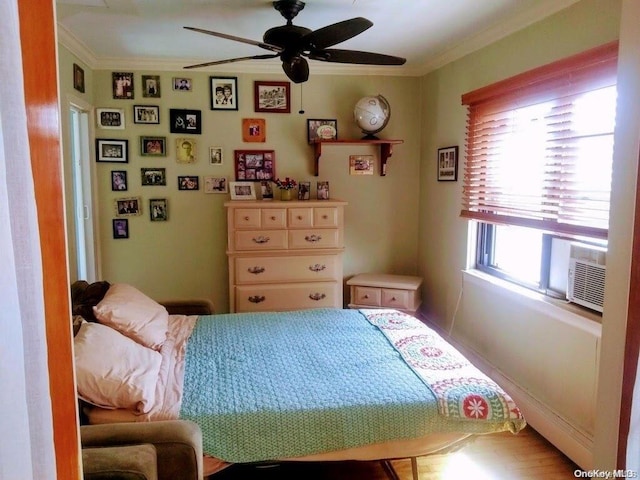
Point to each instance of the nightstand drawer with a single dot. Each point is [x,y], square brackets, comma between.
[367,296]
[395,298]
[307,268]
[261,240]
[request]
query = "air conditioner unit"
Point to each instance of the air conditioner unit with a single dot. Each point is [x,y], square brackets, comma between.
[587,268]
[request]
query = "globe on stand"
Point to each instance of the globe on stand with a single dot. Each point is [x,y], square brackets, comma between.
[372,114]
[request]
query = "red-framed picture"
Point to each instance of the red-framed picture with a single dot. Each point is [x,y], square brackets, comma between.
[272,97]
[255,165]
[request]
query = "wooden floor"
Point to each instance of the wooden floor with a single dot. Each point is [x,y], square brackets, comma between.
[500,456]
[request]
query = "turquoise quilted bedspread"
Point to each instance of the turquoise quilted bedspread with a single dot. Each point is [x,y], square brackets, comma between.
[254,403]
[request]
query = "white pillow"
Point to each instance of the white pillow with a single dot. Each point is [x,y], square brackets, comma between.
[113,371]
[133,314]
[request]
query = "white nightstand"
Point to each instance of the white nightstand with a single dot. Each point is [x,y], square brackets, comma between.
[380,290]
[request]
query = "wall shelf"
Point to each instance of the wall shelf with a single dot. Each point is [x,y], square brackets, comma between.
[386,150]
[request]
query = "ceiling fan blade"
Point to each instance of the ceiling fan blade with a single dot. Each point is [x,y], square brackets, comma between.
[355,56]
[297,69]
[231,60]
[335,33]
[266,46]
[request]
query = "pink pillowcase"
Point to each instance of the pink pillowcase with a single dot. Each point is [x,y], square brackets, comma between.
[133,314]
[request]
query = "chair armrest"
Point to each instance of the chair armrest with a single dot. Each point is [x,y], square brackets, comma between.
[133,462]
[178,444]
[189,307]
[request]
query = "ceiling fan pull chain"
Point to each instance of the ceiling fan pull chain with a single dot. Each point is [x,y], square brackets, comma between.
[301,111]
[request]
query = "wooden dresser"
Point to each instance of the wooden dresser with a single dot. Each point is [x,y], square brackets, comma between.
[285,255]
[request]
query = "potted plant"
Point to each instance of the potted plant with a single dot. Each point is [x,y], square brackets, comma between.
[286,187]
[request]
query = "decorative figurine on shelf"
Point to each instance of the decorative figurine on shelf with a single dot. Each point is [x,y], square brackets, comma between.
[372,114]
[286,187]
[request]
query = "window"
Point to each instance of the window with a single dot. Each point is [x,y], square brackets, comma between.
[539,155]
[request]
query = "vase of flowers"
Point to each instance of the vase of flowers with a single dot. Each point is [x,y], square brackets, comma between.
[286,187]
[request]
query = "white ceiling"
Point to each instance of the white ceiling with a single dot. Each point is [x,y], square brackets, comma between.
[149,34]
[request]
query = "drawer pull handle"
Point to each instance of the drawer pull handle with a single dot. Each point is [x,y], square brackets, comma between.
[317,296]
[393,299]
[261,239]
[317,267]
[246,219]
[313,238]
[257,298]
[255,270]
[324,217]
[273,218]
[366,296]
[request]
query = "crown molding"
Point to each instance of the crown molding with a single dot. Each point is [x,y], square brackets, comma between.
[75,46]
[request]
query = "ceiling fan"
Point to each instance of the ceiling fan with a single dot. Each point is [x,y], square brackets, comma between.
[293,43]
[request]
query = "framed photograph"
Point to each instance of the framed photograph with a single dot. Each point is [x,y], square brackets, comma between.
[448,164]
[272,97]
[119,180]
[151,86]
[242,190]
[120,228]
[185,121]
[304,190]
[322,129]
[146,114]
[254,130]
[215,155]
[266,190]
[158,211]
[78,78]
[153,146]
[216,185]
[128,207]
[224,93]
[323,191]
[190,182]
[361,164]
[185,150]
[182,84]
[112,118]
[255,165]
[153,177]
[108,150]
[122,85]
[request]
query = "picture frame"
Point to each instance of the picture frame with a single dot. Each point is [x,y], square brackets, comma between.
[186,151]
[120,228]
[188,182]
[361,164]
[322,192]
[153,177]
[215,155]
[266,190]
[158,210]
[119,181]
[151,86]
[185,121]
[254,130]
[448,164]
[272,97]
[242,190]
[321,129]
[153,146]
[122,83]
[304,191]
[181,84]
[110,118]
[78,78]
[216,184]
[127,206]
[146,114]
[255,165]
[112,150]
[223,93]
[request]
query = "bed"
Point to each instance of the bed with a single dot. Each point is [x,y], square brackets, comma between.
[313,385]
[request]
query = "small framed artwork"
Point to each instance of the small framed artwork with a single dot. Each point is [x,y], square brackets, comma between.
[182,84]
[108,150]
[118,180]
[361,164]
[146,114]
[185,121]
[120,228]
[215,185]
[112,118]
[151,86]
[78,78]
[185,150]
[224,93]
[158,211]
[128,207]
[215,155]
[153,177]
[448,164]
[323,191]
[304,190]
[254,130]
[122,85]
[242,190]
[321,129]
[266,190]
[188,182]
[255,165]
[153,146]
[272,97]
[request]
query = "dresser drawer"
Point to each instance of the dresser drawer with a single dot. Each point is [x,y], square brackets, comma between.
[273,218]
[325,238]
[325,217]
[293,268]
[395,298]
[246,218]
[367,296]
[261,240]
[260,298]
[300,217]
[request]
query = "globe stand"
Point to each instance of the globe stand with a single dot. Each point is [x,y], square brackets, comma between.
[370,136]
